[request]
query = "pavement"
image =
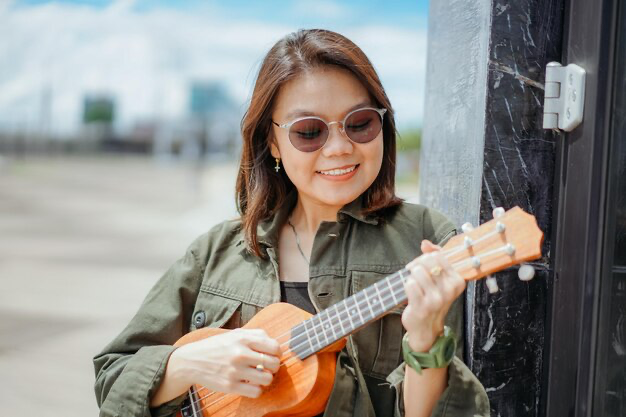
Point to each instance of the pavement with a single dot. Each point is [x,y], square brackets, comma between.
[82,240]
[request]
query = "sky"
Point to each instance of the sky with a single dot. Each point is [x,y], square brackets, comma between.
[146,53]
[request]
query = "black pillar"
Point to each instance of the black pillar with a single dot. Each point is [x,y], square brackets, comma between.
[506,331]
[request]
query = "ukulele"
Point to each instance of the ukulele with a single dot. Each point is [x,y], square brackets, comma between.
[309,343]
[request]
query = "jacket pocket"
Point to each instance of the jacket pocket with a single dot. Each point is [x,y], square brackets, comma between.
[216,310]
[379,344]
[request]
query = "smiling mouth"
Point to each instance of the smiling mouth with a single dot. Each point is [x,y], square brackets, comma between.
[337,172]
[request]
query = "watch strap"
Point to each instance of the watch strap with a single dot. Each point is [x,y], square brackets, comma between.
[439,355]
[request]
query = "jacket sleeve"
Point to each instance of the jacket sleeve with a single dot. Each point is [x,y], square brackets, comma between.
[464,395]
[131,367]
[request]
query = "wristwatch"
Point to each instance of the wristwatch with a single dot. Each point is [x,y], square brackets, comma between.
[439,356]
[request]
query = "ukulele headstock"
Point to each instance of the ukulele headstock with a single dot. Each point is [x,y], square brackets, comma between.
[510,238]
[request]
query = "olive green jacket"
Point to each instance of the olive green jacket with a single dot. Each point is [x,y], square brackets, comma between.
[219,283]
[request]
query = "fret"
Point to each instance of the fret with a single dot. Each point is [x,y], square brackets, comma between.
[358,308]
[401,273]
[315,332]
[350,313]
[378,299]
[382,302]
[321,326]
[329,324]
[405,273]
[367,300]
[343,331]
[308,336]
[393,295]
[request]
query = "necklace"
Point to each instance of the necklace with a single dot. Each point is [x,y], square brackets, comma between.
[298,241]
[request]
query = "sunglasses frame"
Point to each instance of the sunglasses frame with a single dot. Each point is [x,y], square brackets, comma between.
[381,113]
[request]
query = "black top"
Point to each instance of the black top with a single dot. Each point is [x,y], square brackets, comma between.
[296,293]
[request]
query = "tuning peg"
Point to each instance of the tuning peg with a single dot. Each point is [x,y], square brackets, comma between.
[509,249]
[492,284]
[526,272]
[498,212]
[467,227]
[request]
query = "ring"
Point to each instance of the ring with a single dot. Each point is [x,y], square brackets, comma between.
[260,366]
[435,271]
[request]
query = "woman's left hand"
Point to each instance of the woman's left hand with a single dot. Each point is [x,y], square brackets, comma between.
[431,289]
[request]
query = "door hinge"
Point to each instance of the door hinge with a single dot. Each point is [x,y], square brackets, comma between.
[564,99]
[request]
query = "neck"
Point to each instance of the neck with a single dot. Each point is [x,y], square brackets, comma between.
[308,214]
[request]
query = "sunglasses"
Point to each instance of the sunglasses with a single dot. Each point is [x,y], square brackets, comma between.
[308,134]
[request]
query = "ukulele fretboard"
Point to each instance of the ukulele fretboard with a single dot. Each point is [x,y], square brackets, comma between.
[348,315]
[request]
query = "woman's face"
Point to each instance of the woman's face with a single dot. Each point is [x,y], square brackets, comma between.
[329,93]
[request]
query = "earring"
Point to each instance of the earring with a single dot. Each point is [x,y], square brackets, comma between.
[277,167]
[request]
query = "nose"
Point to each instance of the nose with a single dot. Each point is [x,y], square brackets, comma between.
[338,142]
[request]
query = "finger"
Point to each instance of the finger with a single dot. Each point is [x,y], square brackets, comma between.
[268,351]
[426,282]
[427,246]
[268,362]
[246,389]
[451,282]
[263,343]
[255,376]
[414,292]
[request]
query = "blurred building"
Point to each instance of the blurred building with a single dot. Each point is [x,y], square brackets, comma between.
[98,118]
[211,126]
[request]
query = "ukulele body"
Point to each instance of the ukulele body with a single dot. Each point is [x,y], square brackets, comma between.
[299,388]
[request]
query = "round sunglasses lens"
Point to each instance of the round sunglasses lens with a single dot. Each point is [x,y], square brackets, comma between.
[308,135]
[363,126]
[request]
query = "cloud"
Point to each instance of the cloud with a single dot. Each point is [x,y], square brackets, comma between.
[323,9]
[147,60]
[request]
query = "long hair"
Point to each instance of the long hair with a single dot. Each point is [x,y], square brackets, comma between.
[260,190]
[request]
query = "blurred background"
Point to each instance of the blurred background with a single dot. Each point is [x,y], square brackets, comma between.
[119,140]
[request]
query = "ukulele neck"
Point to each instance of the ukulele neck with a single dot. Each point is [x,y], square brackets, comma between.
[349,315]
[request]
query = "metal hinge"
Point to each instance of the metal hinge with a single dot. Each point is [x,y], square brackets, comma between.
[564,99]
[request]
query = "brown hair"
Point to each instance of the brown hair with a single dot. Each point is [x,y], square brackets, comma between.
[260,190]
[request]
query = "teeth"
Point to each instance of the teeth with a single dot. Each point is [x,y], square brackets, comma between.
[338,171]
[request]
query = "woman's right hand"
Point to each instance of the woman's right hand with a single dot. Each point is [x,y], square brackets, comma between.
[225,362]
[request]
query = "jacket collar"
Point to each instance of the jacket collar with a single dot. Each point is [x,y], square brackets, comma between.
[268,230]
[354,210]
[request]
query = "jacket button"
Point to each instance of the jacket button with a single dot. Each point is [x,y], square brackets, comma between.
[199,319]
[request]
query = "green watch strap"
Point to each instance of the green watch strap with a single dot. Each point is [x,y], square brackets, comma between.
[439,356]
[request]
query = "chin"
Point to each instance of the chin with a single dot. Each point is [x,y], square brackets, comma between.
[339,197]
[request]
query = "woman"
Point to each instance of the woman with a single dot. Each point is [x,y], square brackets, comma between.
[319,221]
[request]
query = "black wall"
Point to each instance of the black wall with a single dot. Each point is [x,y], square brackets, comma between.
[518,170]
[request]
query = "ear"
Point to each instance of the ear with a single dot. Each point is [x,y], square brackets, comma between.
[274,150]
[273,146]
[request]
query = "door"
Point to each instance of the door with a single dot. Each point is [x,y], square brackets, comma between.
[586,372]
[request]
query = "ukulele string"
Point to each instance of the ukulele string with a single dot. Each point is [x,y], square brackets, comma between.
[448,254]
